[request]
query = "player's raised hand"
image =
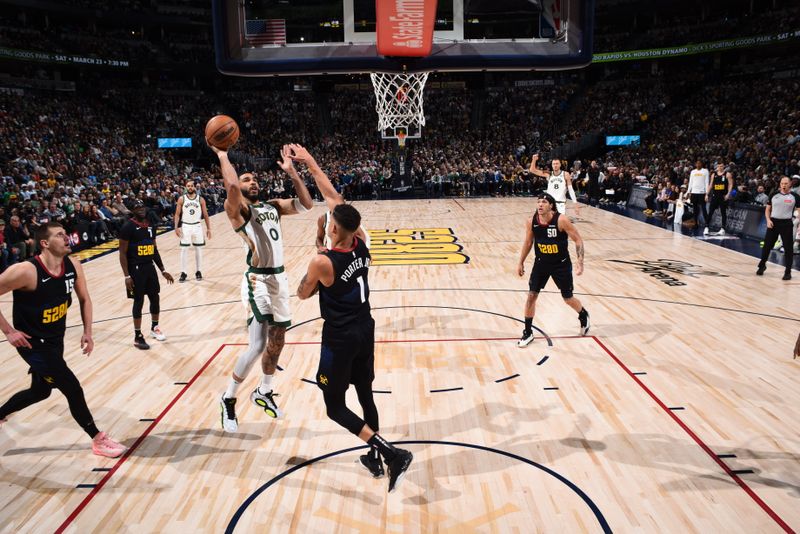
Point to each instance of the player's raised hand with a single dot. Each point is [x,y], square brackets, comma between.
[300,153]
[286,163]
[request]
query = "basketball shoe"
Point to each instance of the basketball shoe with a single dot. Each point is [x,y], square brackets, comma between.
[198,275]
[526,339]
[227,408]
[103,445]
[583,317]
[397,468]
[158,334]
[140,343]
[267,403]
[373,465]
[182,278]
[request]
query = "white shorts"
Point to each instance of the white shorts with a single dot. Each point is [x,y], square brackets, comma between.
[561,207]
[192,234]
[266,297]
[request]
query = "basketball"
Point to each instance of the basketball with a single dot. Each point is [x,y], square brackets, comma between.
[222,132]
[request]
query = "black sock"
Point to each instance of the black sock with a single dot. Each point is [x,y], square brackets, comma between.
[374,453]
[528,324]
[153,325]
[582,312]
[386,449]
[137,332]
[91,429]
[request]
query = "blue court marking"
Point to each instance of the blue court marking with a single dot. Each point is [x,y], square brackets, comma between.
[445,390]
[540,362]
[601,520]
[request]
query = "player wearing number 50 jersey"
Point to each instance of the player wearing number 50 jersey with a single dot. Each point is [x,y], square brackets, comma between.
[548,232]
[265,287]
[191,208]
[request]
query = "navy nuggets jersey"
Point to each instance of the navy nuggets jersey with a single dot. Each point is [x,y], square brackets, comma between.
[347,299]
[719,185]
[42,313]
[141,242]
[549,242]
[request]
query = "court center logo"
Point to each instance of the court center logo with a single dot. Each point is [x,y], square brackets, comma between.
[661,269]
[416,246]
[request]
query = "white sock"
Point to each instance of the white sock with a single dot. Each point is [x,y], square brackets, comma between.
[183,258]
[266,384]
[198,258]
[230,393]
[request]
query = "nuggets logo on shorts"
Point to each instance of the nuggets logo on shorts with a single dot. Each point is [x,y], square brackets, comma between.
[416,246]
[323,380]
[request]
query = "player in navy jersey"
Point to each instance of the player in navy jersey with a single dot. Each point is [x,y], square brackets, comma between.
[347,354]
[137,253]
[550,231]
[42,295]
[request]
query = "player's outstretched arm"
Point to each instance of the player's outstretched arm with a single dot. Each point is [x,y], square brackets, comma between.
[303,202]
[230,180]
[536,171]
[329,193]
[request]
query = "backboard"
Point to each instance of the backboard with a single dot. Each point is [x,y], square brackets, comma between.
[290,37]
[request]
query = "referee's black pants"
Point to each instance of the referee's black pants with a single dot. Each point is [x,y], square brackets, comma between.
[782,228]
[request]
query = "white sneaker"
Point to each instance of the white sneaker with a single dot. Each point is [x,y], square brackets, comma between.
[267,403]
[705,230]
[227,408]
[158,334]
[721,231]
[526,339]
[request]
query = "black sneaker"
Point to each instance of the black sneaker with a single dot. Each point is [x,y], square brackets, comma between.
[397,468]
[526,339]
[373,465]
[583,317]
[198,275]
[182,278]
[787,275]
[761,270]
[140,343]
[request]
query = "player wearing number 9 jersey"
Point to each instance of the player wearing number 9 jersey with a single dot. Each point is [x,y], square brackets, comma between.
[548,232]
[265,287]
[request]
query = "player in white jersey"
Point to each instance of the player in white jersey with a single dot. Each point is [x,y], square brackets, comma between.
[265,288]
[190,210]
[559,183]
[323,241]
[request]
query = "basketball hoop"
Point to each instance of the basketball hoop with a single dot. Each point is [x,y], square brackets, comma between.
[399,104]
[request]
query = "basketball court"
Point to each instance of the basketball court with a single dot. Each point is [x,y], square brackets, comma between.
[677,413]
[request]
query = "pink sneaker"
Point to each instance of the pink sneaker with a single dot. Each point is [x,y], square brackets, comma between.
[102,445]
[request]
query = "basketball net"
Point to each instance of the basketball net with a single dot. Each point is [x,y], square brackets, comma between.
[399,103]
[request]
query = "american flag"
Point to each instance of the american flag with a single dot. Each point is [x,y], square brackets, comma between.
[269,31]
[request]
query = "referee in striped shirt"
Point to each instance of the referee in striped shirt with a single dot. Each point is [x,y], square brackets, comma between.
[779,223]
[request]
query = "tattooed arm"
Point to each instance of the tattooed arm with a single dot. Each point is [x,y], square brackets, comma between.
[320,271]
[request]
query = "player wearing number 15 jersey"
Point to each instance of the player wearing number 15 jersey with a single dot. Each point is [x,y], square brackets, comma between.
[43,289]
[265,287]
[548,231]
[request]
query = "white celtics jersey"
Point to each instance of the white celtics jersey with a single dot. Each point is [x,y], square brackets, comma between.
[557,186]
[327,227]
[192,213]
[262,235]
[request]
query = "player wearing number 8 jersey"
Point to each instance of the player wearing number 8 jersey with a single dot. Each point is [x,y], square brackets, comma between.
[265,287]
[548,232]
[559,183]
